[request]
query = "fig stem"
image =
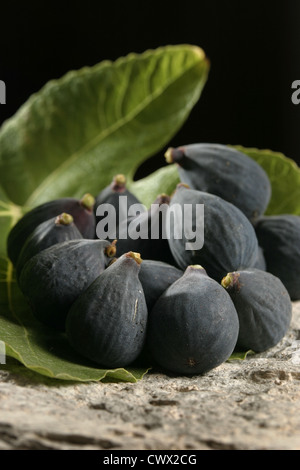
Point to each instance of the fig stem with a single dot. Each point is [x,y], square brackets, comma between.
[230,280]
[196,267]
[88,201]
[119,179]
[111,250]
[162,199]
[182,185]
[226,281]
[135,256]
[118,183]
[64,219]
[174,155]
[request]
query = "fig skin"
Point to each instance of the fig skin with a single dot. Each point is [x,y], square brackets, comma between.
[263,306]
[80,209]
[225,172]
[53,279]
[111,195]
[193,326]
[260,262]
[230,242]
[150,248]
[279,236]
[156,277]
[55,230]
[107,323]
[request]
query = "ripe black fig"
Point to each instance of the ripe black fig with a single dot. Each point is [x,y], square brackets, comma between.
[107,323]
[111,195]
[226,172]
[80,209]
[263,306]
[260,262]
[228,238]
[193,326]
[279,236]
[55,230]
[156,277]
[52,279]
[146,234]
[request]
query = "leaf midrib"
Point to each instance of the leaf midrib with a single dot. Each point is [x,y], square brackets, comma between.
[108,131]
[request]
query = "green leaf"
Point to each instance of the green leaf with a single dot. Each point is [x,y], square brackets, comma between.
[163,180]
[9,214]
[78,131]
[40,348]
[70,138]
[284,175]
[240,355]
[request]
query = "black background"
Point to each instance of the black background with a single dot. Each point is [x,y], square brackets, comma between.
[253,48]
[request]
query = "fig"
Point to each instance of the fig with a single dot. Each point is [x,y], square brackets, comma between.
[107,323]
[80,209]
[260,262]
[263,306]
[225,172]
[48,233]
[155,277]
[111,195]
[228,238]
[193,326]
[279,237]
[52,279]
[145,233]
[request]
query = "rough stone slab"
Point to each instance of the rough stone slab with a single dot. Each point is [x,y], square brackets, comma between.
[252,404]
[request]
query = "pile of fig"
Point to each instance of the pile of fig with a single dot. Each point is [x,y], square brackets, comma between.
[181,304]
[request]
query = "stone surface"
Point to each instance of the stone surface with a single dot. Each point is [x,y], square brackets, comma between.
[252,404]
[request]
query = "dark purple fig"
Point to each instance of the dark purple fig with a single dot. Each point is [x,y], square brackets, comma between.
[228,238]
[53,279]
[107,323]
[279,236]
[263,306]
[260,262]
[80,209]
[146,234]
[55,230]
[156,277]
[225,172]
[119,199]
[193,326]
[111,195]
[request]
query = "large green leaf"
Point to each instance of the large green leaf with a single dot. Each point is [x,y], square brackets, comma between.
[77,132]
[71,138]
[284,175]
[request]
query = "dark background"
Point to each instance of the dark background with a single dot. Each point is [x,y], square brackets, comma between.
[253,48]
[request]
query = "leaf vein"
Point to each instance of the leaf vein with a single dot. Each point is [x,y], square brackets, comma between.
[92,143]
